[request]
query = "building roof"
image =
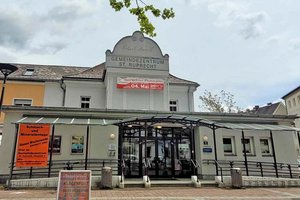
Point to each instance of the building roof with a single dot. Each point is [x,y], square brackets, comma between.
[43,72]
[269,109]
[96,72]
[57,72]
[294,90]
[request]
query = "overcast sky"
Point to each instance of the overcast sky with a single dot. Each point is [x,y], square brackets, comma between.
[248,48]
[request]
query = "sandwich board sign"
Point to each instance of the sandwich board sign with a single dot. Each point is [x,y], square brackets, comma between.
[74,185]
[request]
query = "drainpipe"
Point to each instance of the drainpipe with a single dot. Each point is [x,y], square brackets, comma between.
[188,94]
[63,87]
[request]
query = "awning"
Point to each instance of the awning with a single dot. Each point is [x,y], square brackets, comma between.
[250,126]
[65,120]
[188,120]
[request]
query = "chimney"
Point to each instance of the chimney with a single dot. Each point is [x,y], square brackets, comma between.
[256,107]
[269,104]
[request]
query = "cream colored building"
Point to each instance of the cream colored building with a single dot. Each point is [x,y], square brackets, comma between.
[131,114]
[292,102]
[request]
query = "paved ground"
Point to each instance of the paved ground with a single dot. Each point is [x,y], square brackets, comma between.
[164,194]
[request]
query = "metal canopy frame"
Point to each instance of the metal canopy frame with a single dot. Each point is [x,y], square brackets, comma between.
[149,121]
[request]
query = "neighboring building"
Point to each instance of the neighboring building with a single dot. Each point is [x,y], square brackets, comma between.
[26,86]
[292,102]
[270,109]
[131,112]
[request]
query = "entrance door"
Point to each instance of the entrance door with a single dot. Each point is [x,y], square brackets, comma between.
[163,153]
[159,158]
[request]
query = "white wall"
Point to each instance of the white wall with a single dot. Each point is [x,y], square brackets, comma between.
[135,99]
[74,90]
[184,97]
[285,147]
[53,94]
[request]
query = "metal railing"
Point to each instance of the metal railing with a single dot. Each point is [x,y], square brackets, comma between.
[255,168]
[79,164]
[196,166]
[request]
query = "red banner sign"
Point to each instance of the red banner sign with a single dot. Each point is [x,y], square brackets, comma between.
[140,83]
[32,149]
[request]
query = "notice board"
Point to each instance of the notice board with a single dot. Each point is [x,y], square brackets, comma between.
[32,148]
[74,184]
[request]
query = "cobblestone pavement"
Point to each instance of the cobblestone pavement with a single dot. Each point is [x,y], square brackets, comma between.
[164,194]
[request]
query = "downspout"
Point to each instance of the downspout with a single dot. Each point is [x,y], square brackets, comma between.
[189,103]
[63,87]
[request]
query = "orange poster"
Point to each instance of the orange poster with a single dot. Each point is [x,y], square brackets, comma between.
[32,148]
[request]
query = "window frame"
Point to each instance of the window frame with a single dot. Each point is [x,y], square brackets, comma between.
[251,146]
[22,99]
[233,150]
[173,106]
[269,146]
[29,72]
[85,102]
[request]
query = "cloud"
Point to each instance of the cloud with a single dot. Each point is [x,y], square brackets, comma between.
[16,29]
[231,14]
[52,48]
[295,43]
[69,11]
[41,33]
[251,24]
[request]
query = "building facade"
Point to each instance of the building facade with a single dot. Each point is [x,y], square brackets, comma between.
[132,114]
[292,102]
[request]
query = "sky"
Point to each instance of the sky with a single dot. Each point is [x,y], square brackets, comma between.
[248,48]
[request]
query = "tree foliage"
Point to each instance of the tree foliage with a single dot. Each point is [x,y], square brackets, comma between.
[223,102]
[140,9]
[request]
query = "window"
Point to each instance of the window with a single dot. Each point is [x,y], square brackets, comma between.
[298,98]
[289,104]
[29,72]
[249,147]
[56,144]
[77,144]
[85,102]
[22,102]
[173,105]
[265,146]
[228,145]
[0,138]
[294,102]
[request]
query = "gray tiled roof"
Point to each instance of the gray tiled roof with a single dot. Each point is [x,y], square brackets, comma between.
[43,72]
[56,72]
[267,110]
[96,72]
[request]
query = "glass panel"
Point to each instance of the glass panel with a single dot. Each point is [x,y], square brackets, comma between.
[264,145]
[150,162]
[131,156]
[183,158]
[163,159]
[227,144]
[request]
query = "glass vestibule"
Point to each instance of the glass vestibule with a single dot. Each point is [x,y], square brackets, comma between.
[164,152]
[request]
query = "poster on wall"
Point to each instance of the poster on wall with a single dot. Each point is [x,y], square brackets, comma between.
[75,184]
[140,83]
[77,144]
[32,147]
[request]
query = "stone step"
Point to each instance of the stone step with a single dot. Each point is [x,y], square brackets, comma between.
[169,183]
